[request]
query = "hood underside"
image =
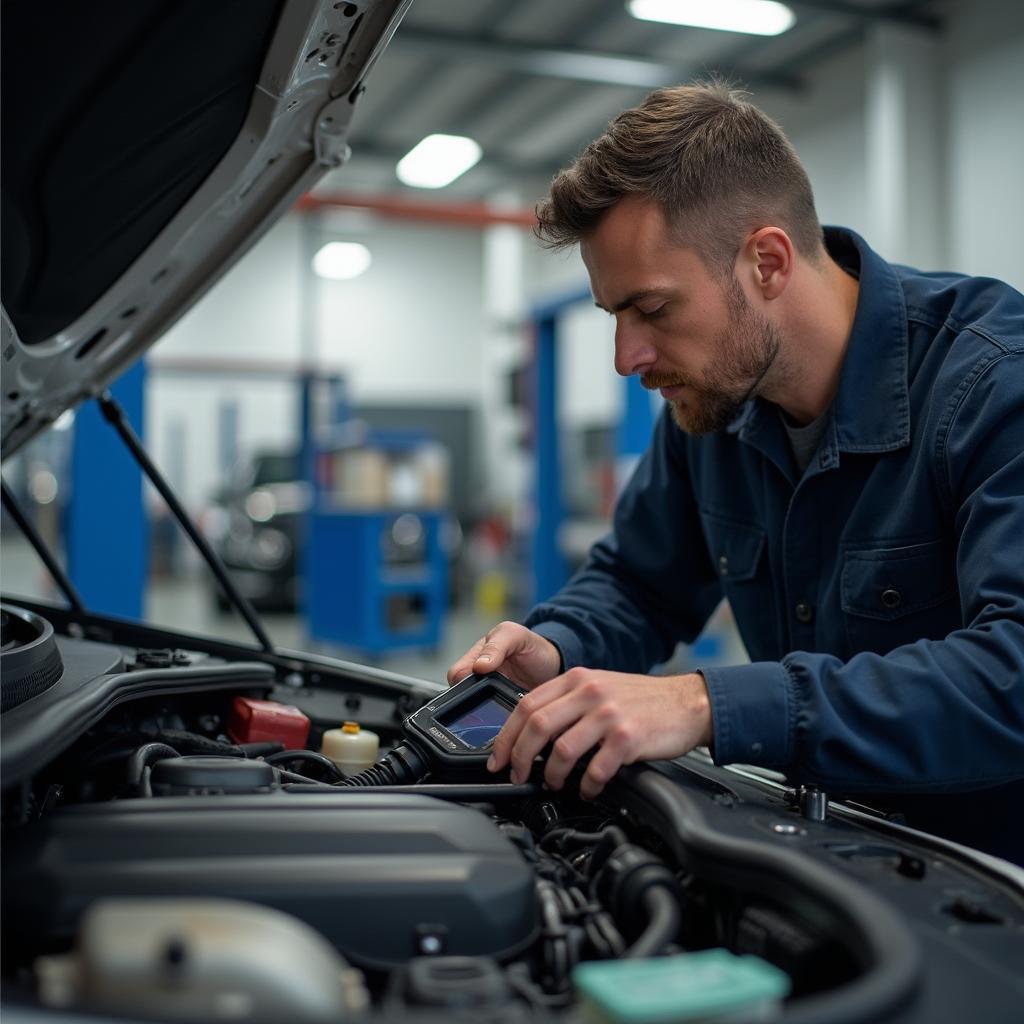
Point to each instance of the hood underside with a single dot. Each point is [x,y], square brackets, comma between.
[145,147]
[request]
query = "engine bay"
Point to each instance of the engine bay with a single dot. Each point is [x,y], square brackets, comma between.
[159,864]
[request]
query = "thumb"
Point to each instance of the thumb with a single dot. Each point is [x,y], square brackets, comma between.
[500,643]
[491,655]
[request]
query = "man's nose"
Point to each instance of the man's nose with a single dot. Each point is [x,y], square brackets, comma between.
[633,354]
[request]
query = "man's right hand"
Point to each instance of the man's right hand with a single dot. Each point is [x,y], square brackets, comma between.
[515,651]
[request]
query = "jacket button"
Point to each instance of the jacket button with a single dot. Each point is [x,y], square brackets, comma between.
[803,611]
[723,565]
[891,597]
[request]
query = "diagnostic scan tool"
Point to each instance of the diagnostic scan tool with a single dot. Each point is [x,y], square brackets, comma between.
[456,729]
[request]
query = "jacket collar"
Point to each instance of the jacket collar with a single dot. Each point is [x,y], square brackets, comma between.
[871,410]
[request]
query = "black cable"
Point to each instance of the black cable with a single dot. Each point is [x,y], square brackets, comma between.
[260,748]
[32,535]
[662,926]
[186,742]
[566,834]
[311,756]
[463,793]
[401,767]
[600,928]
[304,780]
[114,415]
[146,755]
[557,954]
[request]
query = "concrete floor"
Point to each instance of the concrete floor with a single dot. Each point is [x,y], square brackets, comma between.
[185,604]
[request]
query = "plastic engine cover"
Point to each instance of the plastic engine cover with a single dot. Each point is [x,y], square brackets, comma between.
[384,877]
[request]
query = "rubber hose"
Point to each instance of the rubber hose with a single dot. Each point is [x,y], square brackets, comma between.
[146,755]
[662,926]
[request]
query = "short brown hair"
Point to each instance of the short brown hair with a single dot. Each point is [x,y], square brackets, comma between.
[718,166]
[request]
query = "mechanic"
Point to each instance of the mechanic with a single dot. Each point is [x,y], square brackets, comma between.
[841,456]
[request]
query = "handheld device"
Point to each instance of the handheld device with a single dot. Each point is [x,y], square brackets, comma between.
[456,729]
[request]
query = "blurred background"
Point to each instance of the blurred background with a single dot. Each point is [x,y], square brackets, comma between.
[396,418]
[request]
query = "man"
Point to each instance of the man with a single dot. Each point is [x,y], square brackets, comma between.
[841,456]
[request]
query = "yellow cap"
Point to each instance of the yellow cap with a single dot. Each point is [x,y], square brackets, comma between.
[351,727]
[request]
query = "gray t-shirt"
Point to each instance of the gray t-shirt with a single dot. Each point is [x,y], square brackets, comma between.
[804,440]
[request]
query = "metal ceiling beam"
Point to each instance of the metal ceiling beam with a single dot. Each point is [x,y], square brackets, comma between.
[461,214]
[492,17]
[563,61]
[901,13]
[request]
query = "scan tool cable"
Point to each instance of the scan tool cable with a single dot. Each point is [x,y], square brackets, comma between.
[403,766]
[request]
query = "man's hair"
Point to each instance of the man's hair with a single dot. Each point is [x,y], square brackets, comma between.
[717,165]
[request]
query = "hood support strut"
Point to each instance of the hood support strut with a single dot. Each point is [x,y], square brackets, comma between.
[114,415]
[60,577]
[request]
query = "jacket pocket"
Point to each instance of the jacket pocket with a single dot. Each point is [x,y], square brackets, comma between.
[886,590]
[735,548]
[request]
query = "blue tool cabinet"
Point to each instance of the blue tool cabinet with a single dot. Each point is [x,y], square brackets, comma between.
[358,597]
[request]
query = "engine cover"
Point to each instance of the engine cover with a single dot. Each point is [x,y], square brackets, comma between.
[384,877]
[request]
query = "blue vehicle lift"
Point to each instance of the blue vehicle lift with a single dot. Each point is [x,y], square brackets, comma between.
[105,526]
[550,568]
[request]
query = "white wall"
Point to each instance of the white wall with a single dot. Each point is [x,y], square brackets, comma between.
[408,331]
[984,49]
[826,124]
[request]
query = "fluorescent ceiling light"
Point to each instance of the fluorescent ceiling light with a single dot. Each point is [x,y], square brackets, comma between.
[341,261]
[755,17]
[437,161]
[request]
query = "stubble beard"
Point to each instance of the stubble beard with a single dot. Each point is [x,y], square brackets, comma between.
[747,349]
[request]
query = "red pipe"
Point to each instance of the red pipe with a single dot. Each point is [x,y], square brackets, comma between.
[468,215]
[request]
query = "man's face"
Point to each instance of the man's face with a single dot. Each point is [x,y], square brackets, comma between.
[684,331]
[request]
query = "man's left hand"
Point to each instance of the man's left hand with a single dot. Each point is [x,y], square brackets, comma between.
[626,717]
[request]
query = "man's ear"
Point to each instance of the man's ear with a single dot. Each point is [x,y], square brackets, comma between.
[767,259]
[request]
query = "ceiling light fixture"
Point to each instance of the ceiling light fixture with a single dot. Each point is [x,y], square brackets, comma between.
[437,161]
[342,261]
[754,17]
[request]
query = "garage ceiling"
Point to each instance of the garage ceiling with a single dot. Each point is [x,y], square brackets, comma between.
[534,81]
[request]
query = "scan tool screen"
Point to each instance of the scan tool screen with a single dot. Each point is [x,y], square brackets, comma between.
[480,724]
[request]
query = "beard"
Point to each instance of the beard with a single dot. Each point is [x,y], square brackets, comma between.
[745,351]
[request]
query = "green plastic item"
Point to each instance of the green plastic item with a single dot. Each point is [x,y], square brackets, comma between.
[712,985]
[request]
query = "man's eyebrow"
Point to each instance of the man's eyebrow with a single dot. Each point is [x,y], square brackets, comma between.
[629,300]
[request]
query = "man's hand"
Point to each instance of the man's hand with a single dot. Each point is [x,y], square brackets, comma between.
[627,717]
[515,651]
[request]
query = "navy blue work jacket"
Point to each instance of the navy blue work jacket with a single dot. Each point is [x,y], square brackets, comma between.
[880,594]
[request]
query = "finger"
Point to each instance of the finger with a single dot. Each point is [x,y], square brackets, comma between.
[509,734]
[570,747]
[604,764]
[543,725]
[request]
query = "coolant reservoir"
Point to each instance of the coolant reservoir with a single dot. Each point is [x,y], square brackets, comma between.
[352,749]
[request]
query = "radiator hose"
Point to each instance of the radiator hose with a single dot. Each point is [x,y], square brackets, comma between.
[641,890]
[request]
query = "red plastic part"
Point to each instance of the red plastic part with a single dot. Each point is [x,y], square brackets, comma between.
[253,721]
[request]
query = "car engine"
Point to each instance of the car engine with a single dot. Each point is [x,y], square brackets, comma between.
[158,867]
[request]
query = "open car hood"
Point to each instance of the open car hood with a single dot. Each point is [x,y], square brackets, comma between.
[160,144]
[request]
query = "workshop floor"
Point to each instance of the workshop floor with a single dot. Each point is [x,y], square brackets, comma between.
[185,604]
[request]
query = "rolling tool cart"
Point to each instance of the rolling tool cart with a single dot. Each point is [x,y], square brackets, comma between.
[377,568]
